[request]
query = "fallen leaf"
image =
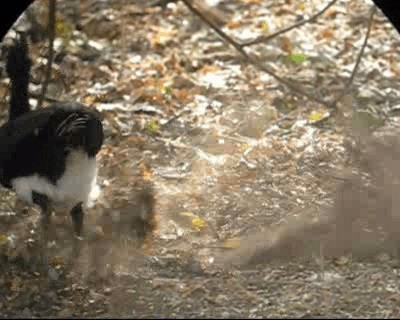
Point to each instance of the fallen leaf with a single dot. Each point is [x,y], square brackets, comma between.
[285,44]
[152,126]
[232,243]
[89,100]
[297,57]
[206,69]
[301,5]
[233,24]
[162,37]
[325,34]
[198,223]
[265,27]
[244,147]
[318,115]
[64,31]
[3,239]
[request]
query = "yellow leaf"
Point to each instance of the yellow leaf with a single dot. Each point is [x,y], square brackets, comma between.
[3,239]
[64,31]
[265,26]
[89,100]
[167,90]
[147,174]
[244,147]
[187,214]
[301,5]
[232,243]
[152,126]
[198,223]
[318,115]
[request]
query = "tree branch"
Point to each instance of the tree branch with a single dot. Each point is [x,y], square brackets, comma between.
[353,73]
[296,25]
[255,61]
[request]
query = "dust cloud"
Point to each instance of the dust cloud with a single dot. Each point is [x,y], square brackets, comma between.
[363,221]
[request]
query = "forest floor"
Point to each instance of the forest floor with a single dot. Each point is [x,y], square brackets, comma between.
[239,163]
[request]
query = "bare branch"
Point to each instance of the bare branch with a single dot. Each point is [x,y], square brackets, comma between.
[359,57]
[294,26]
[251,58]
[51,31]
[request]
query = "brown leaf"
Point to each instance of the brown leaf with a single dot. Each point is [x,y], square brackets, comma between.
[285,44]
[325,34]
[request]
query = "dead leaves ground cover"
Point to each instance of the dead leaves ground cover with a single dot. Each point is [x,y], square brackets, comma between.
[229,153]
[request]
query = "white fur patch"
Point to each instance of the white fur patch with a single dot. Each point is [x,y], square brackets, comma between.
[75,184]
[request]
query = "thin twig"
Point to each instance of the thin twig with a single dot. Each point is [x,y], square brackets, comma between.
[175,117]
[353,74]
[51,31]
[255,61]
[360,55]
[294,26]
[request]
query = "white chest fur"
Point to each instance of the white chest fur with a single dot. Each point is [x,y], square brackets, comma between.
[74,185]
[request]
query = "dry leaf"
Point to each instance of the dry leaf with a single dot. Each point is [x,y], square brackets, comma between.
[331,13]
[325,34]
[252,1]
[233,24]
[89,100]
[285,44]
[301,5]
[145,171]
[244,147]
[232,243]
[162,38]
[206,69]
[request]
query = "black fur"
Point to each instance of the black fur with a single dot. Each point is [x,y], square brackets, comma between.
[39,141]
[18,67]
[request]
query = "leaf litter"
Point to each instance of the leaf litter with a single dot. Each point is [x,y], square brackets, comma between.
[220,163]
